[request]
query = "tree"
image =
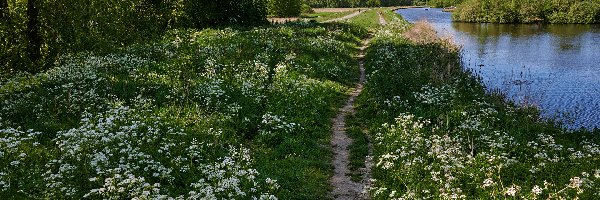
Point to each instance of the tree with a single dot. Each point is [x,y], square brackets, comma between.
[203,13]
[33,36]
[3,9]
[284,8]
[373,3]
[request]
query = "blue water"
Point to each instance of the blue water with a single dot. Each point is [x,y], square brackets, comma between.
[554,67]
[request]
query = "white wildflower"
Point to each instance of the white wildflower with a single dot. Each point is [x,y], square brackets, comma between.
[536,190]
[488,182]
[512,190]
[575,182]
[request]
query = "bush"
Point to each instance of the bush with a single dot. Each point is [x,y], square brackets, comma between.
[206,13]
[584,12]
[305,8]
[444,3]
[284,8]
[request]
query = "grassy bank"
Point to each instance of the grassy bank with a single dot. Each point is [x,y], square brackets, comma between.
[370,18]
[437,133]
[199,114]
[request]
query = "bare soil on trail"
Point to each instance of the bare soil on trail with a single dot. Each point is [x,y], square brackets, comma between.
[344,187]
[382,19]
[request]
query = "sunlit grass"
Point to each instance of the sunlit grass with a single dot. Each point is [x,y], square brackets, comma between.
[324,16]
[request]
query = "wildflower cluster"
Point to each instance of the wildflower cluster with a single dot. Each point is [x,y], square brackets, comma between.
[196,115]
[437,134]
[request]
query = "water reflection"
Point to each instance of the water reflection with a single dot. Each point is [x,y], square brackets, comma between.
[522,30]
[553,66]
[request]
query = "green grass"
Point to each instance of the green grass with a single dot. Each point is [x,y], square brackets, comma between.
[389,15]
[324,16]
[209,113]
[359,148]
[370,18]
[217,110]
[437,133]
[356,126]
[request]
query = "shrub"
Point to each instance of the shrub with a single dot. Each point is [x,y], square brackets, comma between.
[284,8]
[583,12]
[527,11]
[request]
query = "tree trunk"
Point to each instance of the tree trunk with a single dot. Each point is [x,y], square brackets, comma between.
[33,36]
[3,9]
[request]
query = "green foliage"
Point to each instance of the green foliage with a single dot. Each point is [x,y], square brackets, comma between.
[444,3]
[70,27]
[305,8]
[216,113]
[528,11]
[373,3]
[284,8]
[206,13]
[584,12]
[438,134]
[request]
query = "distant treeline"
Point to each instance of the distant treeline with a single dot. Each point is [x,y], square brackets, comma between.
[444,3]
[529,11]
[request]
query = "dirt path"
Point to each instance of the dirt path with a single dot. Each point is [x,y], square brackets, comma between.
[381,19]
[344,187]
[354,14]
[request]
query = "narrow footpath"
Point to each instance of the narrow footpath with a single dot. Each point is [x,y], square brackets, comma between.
[343,187]
[354,14]
[381,19]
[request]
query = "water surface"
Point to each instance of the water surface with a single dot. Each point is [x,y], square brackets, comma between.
[555,67]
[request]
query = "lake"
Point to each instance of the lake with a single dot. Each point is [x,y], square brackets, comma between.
[554,67]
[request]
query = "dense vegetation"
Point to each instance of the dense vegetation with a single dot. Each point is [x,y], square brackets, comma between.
[195,114]
[35,32]
[139,100]
[438,134]
[284,8]
[529,11]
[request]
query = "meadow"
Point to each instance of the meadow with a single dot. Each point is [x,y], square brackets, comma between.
[245,113]
[198,114]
